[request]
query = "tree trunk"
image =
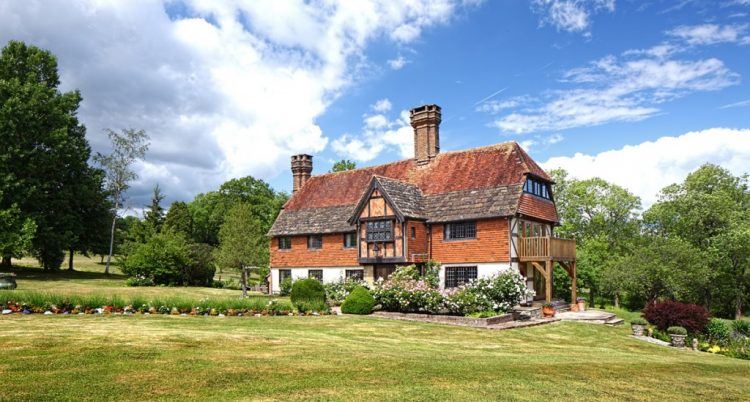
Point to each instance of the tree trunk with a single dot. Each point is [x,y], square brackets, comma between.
[111,242]
[738,307]
[101,259]
[7,262]
[617,300]
[244,282]
[70,260]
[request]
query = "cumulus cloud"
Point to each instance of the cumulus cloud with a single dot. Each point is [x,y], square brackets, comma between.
[570,15]
[379,133]
[224,89]
[709,34]
[626,88]
[398,63]
[382,105]
[646,168]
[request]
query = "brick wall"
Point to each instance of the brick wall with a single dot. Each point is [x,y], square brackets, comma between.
[418,244]
[333,253]
[490,245]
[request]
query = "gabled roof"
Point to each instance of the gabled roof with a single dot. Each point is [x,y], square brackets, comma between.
[404,198]
[468,184]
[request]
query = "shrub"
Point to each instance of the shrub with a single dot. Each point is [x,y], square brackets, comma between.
[638,321]
[201,269]
[286,286]
[719,331]
[308,295]
[499,293]
[359,301]
[405,291]
[677,330]
[139,281]
[337,292]
[671,313]
[741,327]
[163,257]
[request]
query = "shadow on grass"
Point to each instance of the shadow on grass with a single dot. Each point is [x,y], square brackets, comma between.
[39,274]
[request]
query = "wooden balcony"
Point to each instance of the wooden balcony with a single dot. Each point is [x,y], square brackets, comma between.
[546,249]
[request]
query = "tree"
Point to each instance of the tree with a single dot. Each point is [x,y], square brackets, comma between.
[90,213]
[242,242]
[45,152]
[179,220]
[343,165]
[155,212]
[128,146]
[16,234]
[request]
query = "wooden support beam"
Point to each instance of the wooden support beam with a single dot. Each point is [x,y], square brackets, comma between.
[548,281]
[574,286]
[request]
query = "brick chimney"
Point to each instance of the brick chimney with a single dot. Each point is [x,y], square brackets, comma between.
[426,122]
[301,170]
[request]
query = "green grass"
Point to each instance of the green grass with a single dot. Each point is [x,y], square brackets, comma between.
[89,278]
[345,357]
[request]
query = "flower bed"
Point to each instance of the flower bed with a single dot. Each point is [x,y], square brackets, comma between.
[15,302]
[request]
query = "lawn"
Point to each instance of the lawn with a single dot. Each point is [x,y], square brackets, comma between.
[345,357]
[89,278]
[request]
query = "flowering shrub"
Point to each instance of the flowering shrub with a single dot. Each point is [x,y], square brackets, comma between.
[499,293]
[337,292]
[407,295]
[671,313]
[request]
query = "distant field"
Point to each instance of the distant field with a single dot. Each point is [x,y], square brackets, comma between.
[89,277]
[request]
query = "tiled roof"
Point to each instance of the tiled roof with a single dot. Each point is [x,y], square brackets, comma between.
[469,184]
[537,207]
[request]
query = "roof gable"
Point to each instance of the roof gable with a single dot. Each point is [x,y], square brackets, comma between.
[404,198]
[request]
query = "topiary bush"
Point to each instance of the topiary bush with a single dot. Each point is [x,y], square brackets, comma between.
[308,295]
[638,321]
[719,331]
[671,313]
[359,301]
[676,330]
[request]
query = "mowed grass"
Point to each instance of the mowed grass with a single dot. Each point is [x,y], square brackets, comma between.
[345,358]
[89,278]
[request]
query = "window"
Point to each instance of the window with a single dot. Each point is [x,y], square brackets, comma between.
[533,229]
[383,271]
[284,273]
[285,243]
[315,274]
[457,276]
[314,242]
[358,274]
[460,230]
[350,240]
[413,232]
[538,188]
[379,231]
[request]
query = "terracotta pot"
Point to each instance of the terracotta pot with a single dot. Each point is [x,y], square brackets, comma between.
[574,307]
[581,306]
[548,311]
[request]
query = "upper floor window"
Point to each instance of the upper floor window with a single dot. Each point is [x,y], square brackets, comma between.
[460,230]
[377,231]
[350,240]
[413,232]
[285,243]
[314,242]
[538,188]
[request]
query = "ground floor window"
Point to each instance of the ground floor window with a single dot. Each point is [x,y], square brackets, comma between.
[457,276]
[358,274]
[315,274]
[284,273]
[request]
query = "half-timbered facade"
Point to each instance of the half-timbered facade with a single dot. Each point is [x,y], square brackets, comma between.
[476,212]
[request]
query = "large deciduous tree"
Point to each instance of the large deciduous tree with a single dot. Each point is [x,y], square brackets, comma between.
[343,165]
[243,243]
[128,146]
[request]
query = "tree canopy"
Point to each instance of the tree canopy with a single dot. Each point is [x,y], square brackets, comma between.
[343,165]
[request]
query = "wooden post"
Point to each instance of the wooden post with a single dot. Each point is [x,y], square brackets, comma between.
[574,286]
[548,280]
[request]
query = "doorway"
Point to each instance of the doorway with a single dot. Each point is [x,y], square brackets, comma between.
[383,271]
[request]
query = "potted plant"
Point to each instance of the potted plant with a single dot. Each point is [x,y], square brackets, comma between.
[548,310]
[638,325]
[581,303]
[678,335]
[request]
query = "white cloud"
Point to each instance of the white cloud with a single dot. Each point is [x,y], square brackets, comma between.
[398,63]
[225,89]
[378,134]
[570,15]
[744,103]
[709,34]
[382,105]
[533,143]
[625,88]
[499,105]
[646,168]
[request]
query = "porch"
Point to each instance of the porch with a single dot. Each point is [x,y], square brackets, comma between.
[542,252]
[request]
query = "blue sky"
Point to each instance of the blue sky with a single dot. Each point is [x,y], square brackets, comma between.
[637,92]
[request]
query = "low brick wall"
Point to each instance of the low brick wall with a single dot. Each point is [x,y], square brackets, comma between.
[446,319]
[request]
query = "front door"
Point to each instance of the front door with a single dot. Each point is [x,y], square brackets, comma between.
[383,270]
[539,285]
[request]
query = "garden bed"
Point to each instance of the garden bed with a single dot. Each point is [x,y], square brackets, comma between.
[447,319]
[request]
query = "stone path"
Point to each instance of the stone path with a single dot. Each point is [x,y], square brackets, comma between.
[652,340]
[590,316]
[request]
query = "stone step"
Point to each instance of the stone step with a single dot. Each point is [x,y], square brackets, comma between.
[614,321]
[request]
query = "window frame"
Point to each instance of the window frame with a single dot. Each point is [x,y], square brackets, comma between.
[538,188]
[284,273]
[456,281]
[468,228]
[353,236]
[379,231]
[360,274]
[310,242]
[413,233]
[313,274]
[282,242]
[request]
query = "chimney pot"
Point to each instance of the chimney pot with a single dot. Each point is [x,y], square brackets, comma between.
[426,123]
[302,166]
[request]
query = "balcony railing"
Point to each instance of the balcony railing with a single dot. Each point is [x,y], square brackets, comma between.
[546,248]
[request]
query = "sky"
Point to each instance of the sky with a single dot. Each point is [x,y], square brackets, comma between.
[639,93]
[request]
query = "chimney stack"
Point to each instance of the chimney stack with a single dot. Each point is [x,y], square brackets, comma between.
[426,123]
[301,170]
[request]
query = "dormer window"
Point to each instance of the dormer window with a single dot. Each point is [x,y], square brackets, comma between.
[379,231]
[537,188]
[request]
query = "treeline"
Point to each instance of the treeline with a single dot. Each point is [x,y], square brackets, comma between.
[693,245]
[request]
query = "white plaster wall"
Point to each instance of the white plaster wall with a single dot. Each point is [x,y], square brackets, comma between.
[330,274]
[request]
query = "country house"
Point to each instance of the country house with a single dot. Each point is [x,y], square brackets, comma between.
[476,212]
